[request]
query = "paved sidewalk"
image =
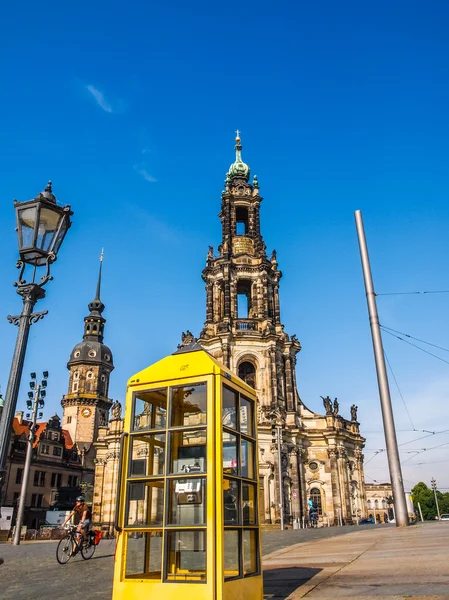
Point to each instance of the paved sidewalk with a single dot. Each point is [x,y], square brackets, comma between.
[380,564]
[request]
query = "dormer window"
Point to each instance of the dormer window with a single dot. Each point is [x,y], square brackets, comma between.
[92,354]
[77,354]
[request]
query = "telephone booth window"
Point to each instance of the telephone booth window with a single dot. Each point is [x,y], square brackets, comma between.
[147,455]
[145,503]
[246,416]
[231,501]
[231,553]
[188,405]
[188,451]
[240,543]
[187,502]
[166,489]
[150,410]
[186,555]
[229,411]
[144,555]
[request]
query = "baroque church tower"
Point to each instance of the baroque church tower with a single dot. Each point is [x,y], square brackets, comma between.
[243,327]
[86,405]
[303,455]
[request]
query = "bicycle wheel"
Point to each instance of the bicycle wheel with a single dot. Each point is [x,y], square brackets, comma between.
[64,550]
[87,550]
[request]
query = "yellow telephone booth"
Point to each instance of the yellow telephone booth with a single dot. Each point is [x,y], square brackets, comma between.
[187,512]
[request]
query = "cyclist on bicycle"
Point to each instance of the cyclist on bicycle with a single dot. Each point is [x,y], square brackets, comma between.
[83,511]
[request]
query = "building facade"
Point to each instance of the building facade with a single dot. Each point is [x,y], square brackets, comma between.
[303,455]
[56,470]
[320,455]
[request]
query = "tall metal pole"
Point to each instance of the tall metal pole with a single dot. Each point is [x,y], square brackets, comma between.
[394,463]
[30,293]
[281,488]
[433,482]
[26,470]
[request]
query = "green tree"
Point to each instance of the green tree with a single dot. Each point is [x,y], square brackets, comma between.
[424,496]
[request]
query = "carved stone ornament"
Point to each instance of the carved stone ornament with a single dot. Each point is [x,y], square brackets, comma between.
[116,410]
[327,403]
[332,452]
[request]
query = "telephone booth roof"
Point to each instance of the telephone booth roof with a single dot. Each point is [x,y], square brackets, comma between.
[184,365]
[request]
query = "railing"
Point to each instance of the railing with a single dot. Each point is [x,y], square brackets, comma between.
[246,325]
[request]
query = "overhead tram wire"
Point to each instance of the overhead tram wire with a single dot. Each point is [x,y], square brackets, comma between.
[414,338]
[399,390]
[414,345]
[410,293]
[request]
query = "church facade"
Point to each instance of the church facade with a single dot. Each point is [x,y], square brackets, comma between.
[303,455]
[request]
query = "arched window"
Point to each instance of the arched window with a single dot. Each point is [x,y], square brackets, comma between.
[241,220]
[368,505]
[247,372]
[315,496]
[75,381]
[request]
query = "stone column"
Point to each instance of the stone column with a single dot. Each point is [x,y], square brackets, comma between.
[302,457]
[209,302]
[294,387]
[97,504]
[335,483]
[251,222]
[274,389]
[265,295]
[288,382]
[343,475]
[277,308]
[361,481]
[227,294]
[296,482]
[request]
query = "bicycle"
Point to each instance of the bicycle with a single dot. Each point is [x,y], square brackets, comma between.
[72,543]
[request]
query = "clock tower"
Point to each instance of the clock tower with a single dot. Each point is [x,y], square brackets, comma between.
[86,405]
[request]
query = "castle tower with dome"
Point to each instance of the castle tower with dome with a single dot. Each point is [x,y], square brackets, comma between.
[86,404]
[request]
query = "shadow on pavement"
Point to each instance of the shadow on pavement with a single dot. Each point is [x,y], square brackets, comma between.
[279,583]
[103,556]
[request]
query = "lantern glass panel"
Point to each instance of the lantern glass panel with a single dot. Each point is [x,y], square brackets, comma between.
[48,226]
[27,220]
[61,234]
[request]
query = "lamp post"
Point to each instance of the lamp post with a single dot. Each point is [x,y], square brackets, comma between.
[433,483]
[36,397]
[41,228]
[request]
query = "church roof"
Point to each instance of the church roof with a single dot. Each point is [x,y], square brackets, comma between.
[24,429]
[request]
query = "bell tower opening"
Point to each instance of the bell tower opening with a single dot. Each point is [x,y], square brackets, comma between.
[247,372]
[241,218]
[244,300]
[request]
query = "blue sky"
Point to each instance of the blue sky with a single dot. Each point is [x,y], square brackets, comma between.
[131,110]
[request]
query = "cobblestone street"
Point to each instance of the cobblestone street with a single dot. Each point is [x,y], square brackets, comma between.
[31,572]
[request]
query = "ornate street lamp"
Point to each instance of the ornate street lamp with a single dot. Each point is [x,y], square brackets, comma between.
[41,228]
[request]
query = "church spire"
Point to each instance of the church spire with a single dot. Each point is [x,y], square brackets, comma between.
[96,307]
[238,168]
[94,322]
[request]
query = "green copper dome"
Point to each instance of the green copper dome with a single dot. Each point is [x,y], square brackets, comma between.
[239,168]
